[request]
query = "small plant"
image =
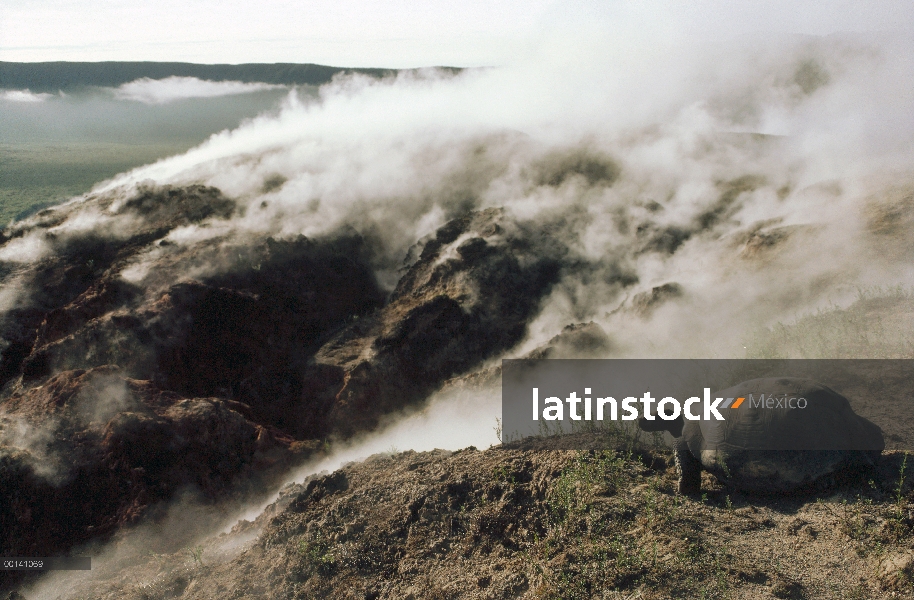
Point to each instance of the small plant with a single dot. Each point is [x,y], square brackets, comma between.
[899,491]
[547,430]
[317,555]
[723,465]
[650,505]
[673,506]
[503,473]
[197,554]
[657,440]
[498,429]
[720,573]
[728,502]
[858,592]
[854,521]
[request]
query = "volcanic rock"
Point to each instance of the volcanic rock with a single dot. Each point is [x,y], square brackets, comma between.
[467,298]
[93,450]
[216,353]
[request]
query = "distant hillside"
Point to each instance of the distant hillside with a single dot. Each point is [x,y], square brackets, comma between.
[53,76]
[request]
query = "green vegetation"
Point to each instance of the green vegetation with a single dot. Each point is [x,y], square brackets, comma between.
[197,554]
[34,176]
[899,489]
[317,556]
[610,532]
[574,490]
[54,150]
[61,147]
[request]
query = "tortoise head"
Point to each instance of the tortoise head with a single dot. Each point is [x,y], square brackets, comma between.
[674,426]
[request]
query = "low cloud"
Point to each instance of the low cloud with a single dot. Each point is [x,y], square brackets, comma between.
[171,89]
[23,96]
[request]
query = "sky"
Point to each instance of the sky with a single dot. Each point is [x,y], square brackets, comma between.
[395,33]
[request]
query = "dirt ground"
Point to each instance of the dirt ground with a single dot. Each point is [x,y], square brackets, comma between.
[529,521]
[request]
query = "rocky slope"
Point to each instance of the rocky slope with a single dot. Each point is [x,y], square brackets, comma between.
[156,351]
[100,449]
[127,354]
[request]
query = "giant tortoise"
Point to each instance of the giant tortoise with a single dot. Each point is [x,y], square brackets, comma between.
[776,448]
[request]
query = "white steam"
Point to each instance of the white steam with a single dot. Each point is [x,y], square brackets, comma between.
[397,158]
[452,419]
[34,445]
[26,249]
[171,89]
[746,173]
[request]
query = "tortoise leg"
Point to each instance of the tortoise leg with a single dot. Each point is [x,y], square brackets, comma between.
[689,468]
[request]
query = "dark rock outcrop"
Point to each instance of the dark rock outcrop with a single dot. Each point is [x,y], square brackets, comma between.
[227,358]
[95,450]
[467,298]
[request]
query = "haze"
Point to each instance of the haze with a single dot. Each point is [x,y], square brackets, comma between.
[386,33]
